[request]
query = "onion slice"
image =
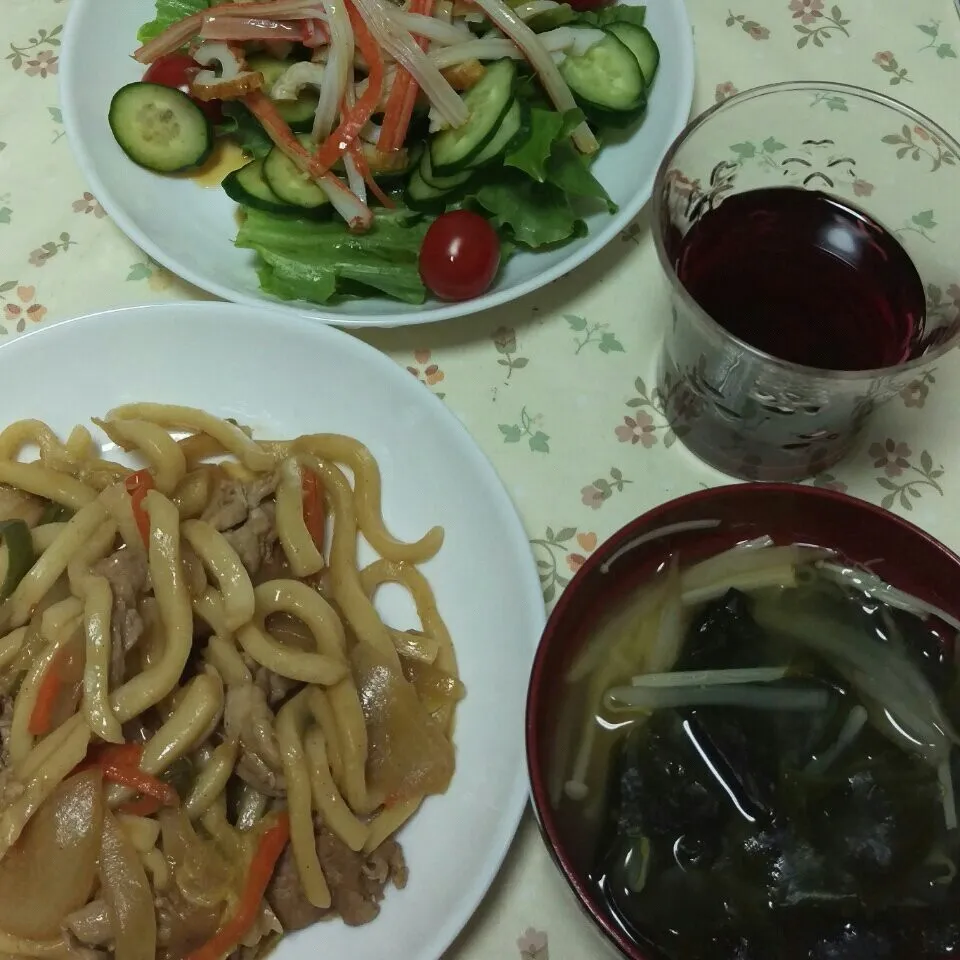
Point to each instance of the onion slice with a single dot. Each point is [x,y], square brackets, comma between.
[541,61]
[127,892]
[51,870]
[355,179]
[431,28]
[496,48]
[338,70]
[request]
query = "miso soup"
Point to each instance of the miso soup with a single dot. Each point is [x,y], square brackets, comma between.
[757,759]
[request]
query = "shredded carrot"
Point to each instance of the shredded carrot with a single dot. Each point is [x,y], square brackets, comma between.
[120,764]
[313,513]
[354,120]
[126,775]
[403,95]
[265,858]
[118,754]
[48,693]
[138,485]
[360,159]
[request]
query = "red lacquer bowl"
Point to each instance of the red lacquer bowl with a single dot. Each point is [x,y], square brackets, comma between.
[897,551]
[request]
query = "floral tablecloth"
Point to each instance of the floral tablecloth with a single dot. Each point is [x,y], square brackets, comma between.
[558,388]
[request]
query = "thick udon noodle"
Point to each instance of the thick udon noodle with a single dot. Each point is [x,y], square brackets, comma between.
[319,739]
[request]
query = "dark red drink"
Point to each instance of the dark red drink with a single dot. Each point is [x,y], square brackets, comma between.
[804,277]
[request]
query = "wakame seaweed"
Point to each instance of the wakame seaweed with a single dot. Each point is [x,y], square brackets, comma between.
[723,840]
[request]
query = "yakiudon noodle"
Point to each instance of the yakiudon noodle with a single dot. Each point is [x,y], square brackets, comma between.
[210,736]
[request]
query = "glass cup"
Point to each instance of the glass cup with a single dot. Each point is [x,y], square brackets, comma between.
[746,412]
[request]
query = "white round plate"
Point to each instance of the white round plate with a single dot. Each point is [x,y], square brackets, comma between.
[284,376]
[190,230]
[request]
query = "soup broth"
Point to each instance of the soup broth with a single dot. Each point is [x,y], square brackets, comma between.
[757,761]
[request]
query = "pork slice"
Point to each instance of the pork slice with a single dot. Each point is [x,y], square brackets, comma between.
[127,573]
[287,898]
[228,505]
[258,490]
[275,688]
[255,539]
[6,722]
[356,881]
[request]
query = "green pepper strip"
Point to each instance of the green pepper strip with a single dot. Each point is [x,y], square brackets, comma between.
[20,555]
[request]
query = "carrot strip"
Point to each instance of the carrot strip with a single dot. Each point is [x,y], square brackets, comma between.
[138,485]
[268,851]
[334,147]
[314,515]
[48,693]
[118,754]
[403,94]
[360,159]
[145,783]
[120,764]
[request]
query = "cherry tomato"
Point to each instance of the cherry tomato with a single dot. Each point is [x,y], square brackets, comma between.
[177,70]
[460,255]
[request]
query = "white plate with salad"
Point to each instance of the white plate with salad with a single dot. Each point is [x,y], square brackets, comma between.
[371,163]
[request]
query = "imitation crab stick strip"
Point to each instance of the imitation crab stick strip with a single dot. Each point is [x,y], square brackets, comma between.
[178,34]
[356,117]
[403,96]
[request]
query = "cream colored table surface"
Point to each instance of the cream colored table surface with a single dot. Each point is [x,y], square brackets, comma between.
[557,388]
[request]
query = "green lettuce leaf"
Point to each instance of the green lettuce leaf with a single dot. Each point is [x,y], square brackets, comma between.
[321,261]
[619,13]
[546,128]
[532,155]
[548,156]
[530,213]
[170,12]
[569,170]
[242,126]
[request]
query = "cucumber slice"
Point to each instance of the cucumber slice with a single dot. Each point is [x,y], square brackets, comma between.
[248,187]
[642,46]
[160,128]
[558,16]
[607,75]
[514,128]
[290,184]
[430,177]
[487,103]
[297,113]
[421,195]
[271,68]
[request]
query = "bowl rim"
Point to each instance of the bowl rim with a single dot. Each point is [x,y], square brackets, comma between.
[658,213]
[537,684]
